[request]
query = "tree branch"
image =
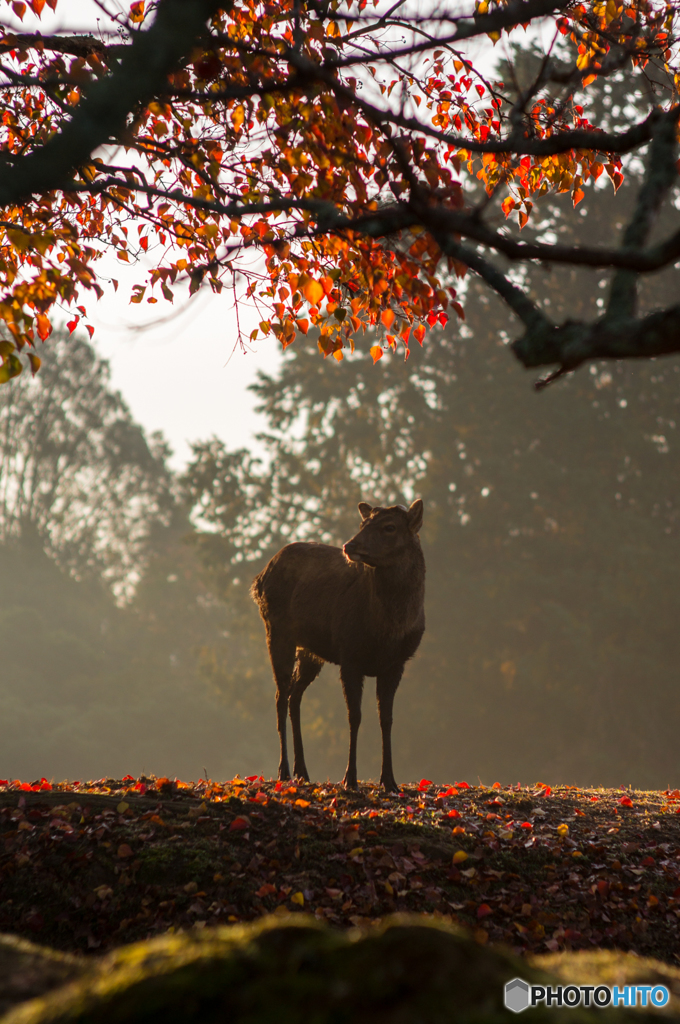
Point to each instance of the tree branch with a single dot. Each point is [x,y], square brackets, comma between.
[102,114]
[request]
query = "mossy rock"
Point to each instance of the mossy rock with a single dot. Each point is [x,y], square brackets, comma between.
[297,971]
[27,971]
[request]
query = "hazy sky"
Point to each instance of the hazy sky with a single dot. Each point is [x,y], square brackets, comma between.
[183,376]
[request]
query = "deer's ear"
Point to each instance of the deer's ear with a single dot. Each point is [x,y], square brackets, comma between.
[415,515]
[364,509]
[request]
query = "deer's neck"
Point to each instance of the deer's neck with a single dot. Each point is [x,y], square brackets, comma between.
[399,591]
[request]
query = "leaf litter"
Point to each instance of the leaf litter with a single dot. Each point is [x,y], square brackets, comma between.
[87,866]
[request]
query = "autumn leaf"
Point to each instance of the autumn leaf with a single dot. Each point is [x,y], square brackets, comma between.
[239,824]
[376,352]
[313,292]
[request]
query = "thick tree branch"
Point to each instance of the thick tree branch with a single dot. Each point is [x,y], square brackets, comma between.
[102,114]
[660,177]
[571,344]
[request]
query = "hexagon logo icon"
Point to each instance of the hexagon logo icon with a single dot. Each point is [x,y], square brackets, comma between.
[516,995]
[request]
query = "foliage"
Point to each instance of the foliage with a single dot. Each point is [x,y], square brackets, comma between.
[323,154]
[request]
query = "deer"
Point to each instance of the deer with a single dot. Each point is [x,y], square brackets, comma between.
[360,607]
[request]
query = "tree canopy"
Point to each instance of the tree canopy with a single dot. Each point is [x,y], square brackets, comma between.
[322,152]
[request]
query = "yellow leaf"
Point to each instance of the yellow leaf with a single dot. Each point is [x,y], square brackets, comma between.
[298,898]
[562,830]
[313,292]
[122,807]
[459,856]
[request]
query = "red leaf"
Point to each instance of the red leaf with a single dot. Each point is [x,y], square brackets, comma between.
[419,333]
[72,324]
[648,862]
[239,824]
[626,801]
[451,791]
[90,330]
[461,785]
[453,814]
[251,778]
[424,784]
[484,910]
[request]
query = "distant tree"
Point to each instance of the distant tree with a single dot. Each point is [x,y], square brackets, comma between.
[321,153]
[77,470]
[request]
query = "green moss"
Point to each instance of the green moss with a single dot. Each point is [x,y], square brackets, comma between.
[296,971]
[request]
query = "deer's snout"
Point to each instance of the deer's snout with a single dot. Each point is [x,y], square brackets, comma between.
[352,551]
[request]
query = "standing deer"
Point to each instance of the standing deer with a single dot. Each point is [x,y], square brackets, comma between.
[360,607]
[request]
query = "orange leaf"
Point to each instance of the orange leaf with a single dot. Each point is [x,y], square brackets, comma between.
[44,327]
[387,316]
[419,333]
[578,195]
[124,850]
[266,890]
[303,325]
[313,292]
[376,352]
[137,12]
[238,117]
[508,205]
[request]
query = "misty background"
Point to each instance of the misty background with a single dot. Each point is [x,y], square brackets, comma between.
[130,643]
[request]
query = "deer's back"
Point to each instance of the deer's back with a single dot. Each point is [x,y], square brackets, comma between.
[328,605]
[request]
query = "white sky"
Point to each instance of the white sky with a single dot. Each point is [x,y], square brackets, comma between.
[182,376]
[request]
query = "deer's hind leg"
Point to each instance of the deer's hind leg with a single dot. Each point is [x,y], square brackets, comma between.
[282,655]
[307,669]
